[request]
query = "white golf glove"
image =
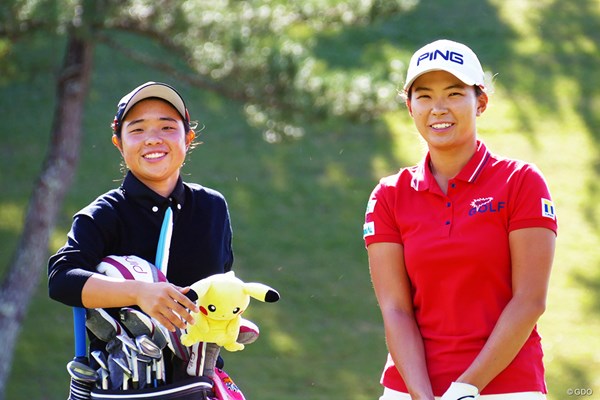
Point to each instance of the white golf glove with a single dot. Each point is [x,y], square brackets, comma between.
[461,391]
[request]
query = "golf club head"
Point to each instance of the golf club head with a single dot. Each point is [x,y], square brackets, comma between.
[81,372]
[100,358]
[195,365]
[130,267]
[249,332]
[102,325]
[115,350]
[103,372]
[128,344]
[147,347]
[136,322]
[171,340]
[127,373]
[160,335]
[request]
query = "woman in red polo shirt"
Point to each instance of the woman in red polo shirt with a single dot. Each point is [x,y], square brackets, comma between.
[460,248]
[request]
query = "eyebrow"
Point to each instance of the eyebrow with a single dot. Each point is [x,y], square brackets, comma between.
[137,121]
[455,86]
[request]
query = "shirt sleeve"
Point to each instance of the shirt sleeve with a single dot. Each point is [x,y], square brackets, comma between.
[380,222]
[72,265]
[531,204]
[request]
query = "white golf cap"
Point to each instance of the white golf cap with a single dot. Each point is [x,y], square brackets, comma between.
[146,91]
[449,56]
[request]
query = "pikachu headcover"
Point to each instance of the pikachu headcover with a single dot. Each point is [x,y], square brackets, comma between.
[222,299]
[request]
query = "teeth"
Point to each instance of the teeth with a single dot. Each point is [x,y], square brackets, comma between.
[441,126]
[154,155]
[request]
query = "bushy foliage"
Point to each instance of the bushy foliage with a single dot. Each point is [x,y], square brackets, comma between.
[259,52]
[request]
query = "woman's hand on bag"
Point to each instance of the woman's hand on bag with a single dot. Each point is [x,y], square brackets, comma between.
[168,304]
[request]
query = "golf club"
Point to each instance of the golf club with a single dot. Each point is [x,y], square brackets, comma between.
[136,322]
[149,349]
[146,363]
[102,324]
[161,338]
[121,363]
[100,358]
[115,351]
[130,349]
[81,374]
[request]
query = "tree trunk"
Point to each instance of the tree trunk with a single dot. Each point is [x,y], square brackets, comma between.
[56,177]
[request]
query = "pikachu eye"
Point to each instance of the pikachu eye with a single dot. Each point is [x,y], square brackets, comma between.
[212,308]
[236,310]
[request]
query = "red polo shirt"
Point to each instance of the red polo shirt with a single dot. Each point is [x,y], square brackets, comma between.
[458,260]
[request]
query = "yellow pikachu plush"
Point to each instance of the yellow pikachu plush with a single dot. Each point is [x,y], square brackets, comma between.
[222,298]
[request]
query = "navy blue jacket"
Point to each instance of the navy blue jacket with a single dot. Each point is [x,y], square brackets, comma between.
[127,221]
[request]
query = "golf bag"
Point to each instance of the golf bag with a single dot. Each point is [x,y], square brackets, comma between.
[129,372]
[220,387]
[194,388]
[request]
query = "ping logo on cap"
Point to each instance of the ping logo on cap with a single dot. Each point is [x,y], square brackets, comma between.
[448,55]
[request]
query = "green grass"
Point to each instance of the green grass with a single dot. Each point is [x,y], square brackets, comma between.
[297,207]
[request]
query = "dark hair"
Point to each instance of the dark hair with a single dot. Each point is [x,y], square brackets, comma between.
[478,90]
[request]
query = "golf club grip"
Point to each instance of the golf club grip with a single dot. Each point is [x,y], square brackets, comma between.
[79,332]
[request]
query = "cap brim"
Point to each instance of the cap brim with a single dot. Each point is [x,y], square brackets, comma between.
[463,78]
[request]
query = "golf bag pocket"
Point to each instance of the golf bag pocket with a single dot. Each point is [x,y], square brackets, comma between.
[195,388]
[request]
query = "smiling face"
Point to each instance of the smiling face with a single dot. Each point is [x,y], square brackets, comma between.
[444,110]
[154,143]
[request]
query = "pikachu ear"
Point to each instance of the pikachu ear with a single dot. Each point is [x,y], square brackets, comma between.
[228,275]
[261,292]
[201,287]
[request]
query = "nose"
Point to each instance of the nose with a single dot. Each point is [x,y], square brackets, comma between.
[439,108]
[154,137]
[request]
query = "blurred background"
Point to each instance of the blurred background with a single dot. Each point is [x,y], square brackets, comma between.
[300,117]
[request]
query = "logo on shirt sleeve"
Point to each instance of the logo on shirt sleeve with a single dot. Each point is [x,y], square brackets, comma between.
[548,209]
[371,206]
[368,229]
